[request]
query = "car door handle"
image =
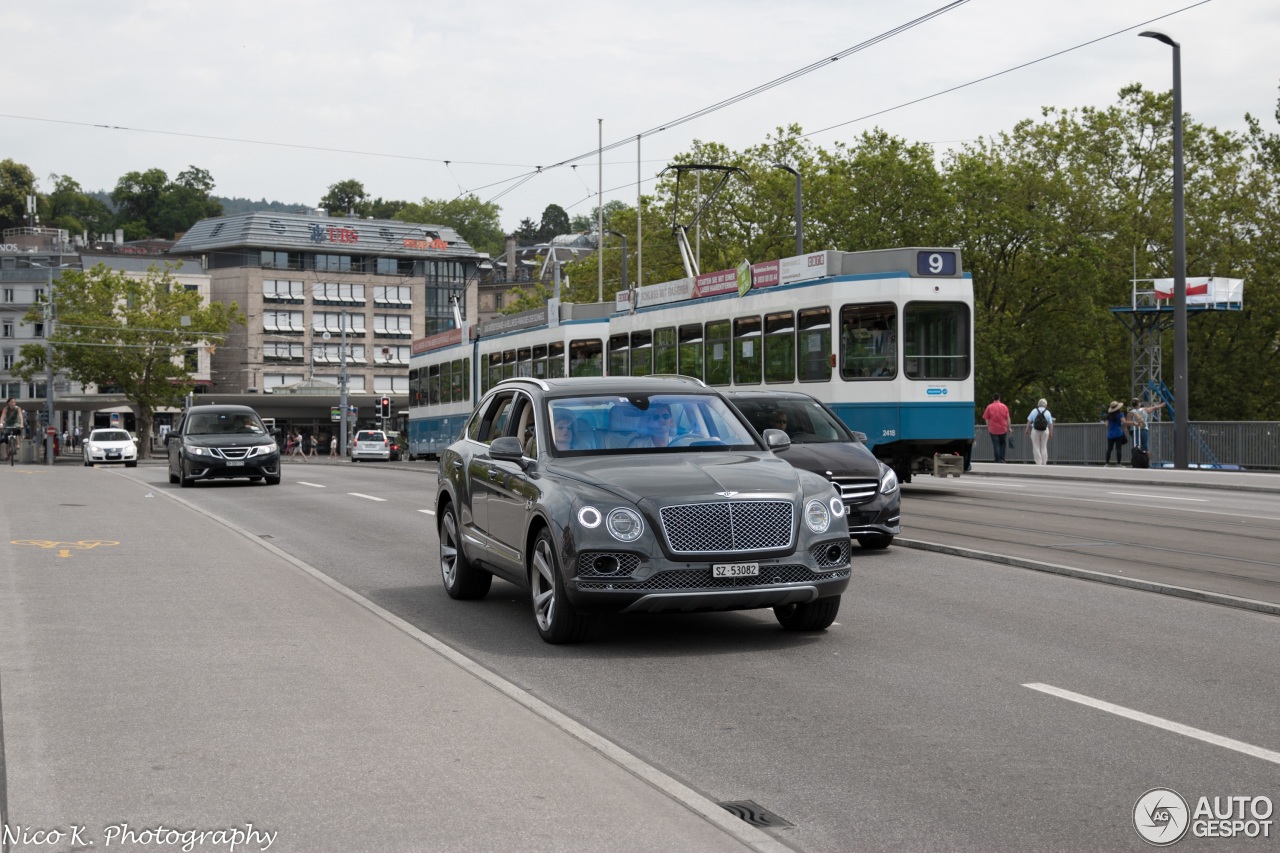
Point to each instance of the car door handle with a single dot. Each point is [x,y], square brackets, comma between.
[494,474]
[457,463]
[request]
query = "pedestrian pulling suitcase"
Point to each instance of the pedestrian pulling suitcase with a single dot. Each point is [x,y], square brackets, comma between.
[1138,458]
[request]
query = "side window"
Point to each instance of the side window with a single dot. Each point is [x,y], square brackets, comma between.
[493,419]
[868,341]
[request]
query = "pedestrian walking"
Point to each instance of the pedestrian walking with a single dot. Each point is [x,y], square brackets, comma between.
[997,417]
[308,446]
[333,447]
[296,441]
[1040,429]
[1116,421]
[76,444]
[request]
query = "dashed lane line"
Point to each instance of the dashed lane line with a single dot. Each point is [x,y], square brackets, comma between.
[1158,497]
[312,485]
[1160,723]
[367,497]
[428,511]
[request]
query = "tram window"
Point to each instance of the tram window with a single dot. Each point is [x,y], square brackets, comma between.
[455,381]
[746,351]
[466,380]
[935,340]
[540,361]
[813,349]
[780,347]
[691,351]
[555,360]
[524,362]
[641,353]
[664,350]
[493,375]
[415,387]
[586,358]
[433,385]
[508,363]
[869,341]
[619,355]
[719,343]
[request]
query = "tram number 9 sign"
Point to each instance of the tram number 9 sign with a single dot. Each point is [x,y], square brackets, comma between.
[935,263]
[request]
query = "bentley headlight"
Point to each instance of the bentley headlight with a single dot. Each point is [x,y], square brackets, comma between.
[589,517]
[625,525]
[888,480]
[817,516]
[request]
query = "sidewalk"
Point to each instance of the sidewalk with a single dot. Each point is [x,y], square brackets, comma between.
[159,668]
[1244,481]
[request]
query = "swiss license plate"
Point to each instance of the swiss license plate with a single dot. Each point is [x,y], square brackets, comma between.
[735,570]
[232,463]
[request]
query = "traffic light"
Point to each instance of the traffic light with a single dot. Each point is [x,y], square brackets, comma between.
[384,408]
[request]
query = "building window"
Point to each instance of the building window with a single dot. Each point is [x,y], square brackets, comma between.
[283,321]
[8,360]
[392,326]
[391,384]
[280,260]
[331,321]
[333,263]
[281,351]
[392,295]
[331,353]
[8,329]
[8,295]
[191,360]
[391,354]
[280,290]
[39,330]
[337,294]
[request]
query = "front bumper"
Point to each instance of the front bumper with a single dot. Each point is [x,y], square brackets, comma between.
[204,467]
[878,518]
[631,582]
[103,458]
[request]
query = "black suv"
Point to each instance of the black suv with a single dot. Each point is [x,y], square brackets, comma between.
[820,442]
[221,442]
[624,494]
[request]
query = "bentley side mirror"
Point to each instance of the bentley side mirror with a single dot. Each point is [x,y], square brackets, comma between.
[776,439]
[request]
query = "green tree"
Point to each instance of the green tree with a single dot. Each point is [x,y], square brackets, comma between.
[526,233]
[17,181]
[130,332]
[344,197]
[554,221]
[148,204]
[69,206]
[137,199]
[477,221]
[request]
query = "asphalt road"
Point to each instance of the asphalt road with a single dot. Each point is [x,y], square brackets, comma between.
[931,716]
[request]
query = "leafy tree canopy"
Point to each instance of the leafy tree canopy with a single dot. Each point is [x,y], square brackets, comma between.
[17,181]
[114,329]
[554,221]
[477,221]
[344,197]
[148,204]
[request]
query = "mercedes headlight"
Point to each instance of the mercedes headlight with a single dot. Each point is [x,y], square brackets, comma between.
[817,516]
[625,525]
[888,480]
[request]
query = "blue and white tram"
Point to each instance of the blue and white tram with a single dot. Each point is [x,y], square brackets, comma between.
[885,338]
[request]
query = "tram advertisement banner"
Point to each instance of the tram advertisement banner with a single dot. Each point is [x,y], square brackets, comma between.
[766,274]
[802,267]
[715,283]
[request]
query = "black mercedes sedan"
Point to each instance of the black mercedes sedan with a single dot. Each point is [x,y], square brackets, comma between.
[820,442]
[221,442]
[635,494]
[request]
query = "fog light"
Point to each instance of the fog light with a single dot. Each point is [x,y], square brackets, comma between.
[606,565]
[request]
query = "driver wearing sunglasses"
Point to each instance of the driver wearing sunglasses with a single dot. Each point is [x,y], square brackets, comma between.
[661,425]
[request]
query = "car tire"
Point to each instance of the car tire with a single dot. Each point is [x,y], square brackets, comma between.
[461,579]
[557,620]
[810,616]
[875,543]
[88,464]
[183,480]
[173,478]
[272,481]
[131,464]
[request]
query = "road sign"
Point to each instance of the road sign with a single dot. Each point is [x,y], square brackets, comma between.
[50,430]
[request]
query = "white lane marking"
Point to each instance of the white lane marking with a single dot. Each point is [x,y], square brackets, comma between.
[428,511]
[367,497]
[977,483]
[1158,497]
[312,485]
[1160,723]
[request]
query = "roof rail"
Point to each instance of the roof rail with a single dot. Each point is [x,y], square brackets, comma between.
[529,379]
[693,379]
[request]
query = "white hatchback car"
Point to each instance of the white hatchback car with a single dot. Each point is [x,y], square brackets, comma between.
[110,446]
[371,444]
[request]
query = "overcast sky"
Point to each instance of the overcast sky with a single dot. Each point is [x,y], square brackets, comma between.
[499,87]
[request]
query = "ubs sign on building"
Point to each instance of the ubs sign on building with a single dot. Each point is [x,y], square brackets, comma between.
[302,278]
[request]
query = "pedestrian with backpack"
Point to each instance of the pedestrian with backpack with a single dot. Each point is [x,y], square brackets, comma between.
[1040,429]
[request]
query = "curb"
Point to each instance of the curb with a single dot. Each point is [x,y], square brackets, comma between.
[1097,577]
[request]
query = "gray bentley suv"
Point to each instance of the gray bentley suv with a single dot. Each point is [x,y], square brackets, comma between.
[635,494]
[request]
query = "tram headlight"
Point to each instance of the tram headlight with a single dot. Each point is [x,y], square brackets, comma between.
[888,480]
[817,516]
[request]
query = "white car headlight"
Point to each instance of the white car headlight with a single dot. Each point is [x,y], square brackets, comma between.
[837,506]
[625,525]
[817,517]
[198,451]
[263,449]
[888,480]
[589,517]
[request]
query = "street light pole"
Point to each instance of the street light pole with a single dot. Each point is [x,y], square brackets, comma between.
[1181,415]
[48,357]
[799,207]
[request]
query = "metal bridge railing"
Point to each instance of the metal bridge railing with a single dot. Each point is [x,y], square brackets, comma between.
[1247,444]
